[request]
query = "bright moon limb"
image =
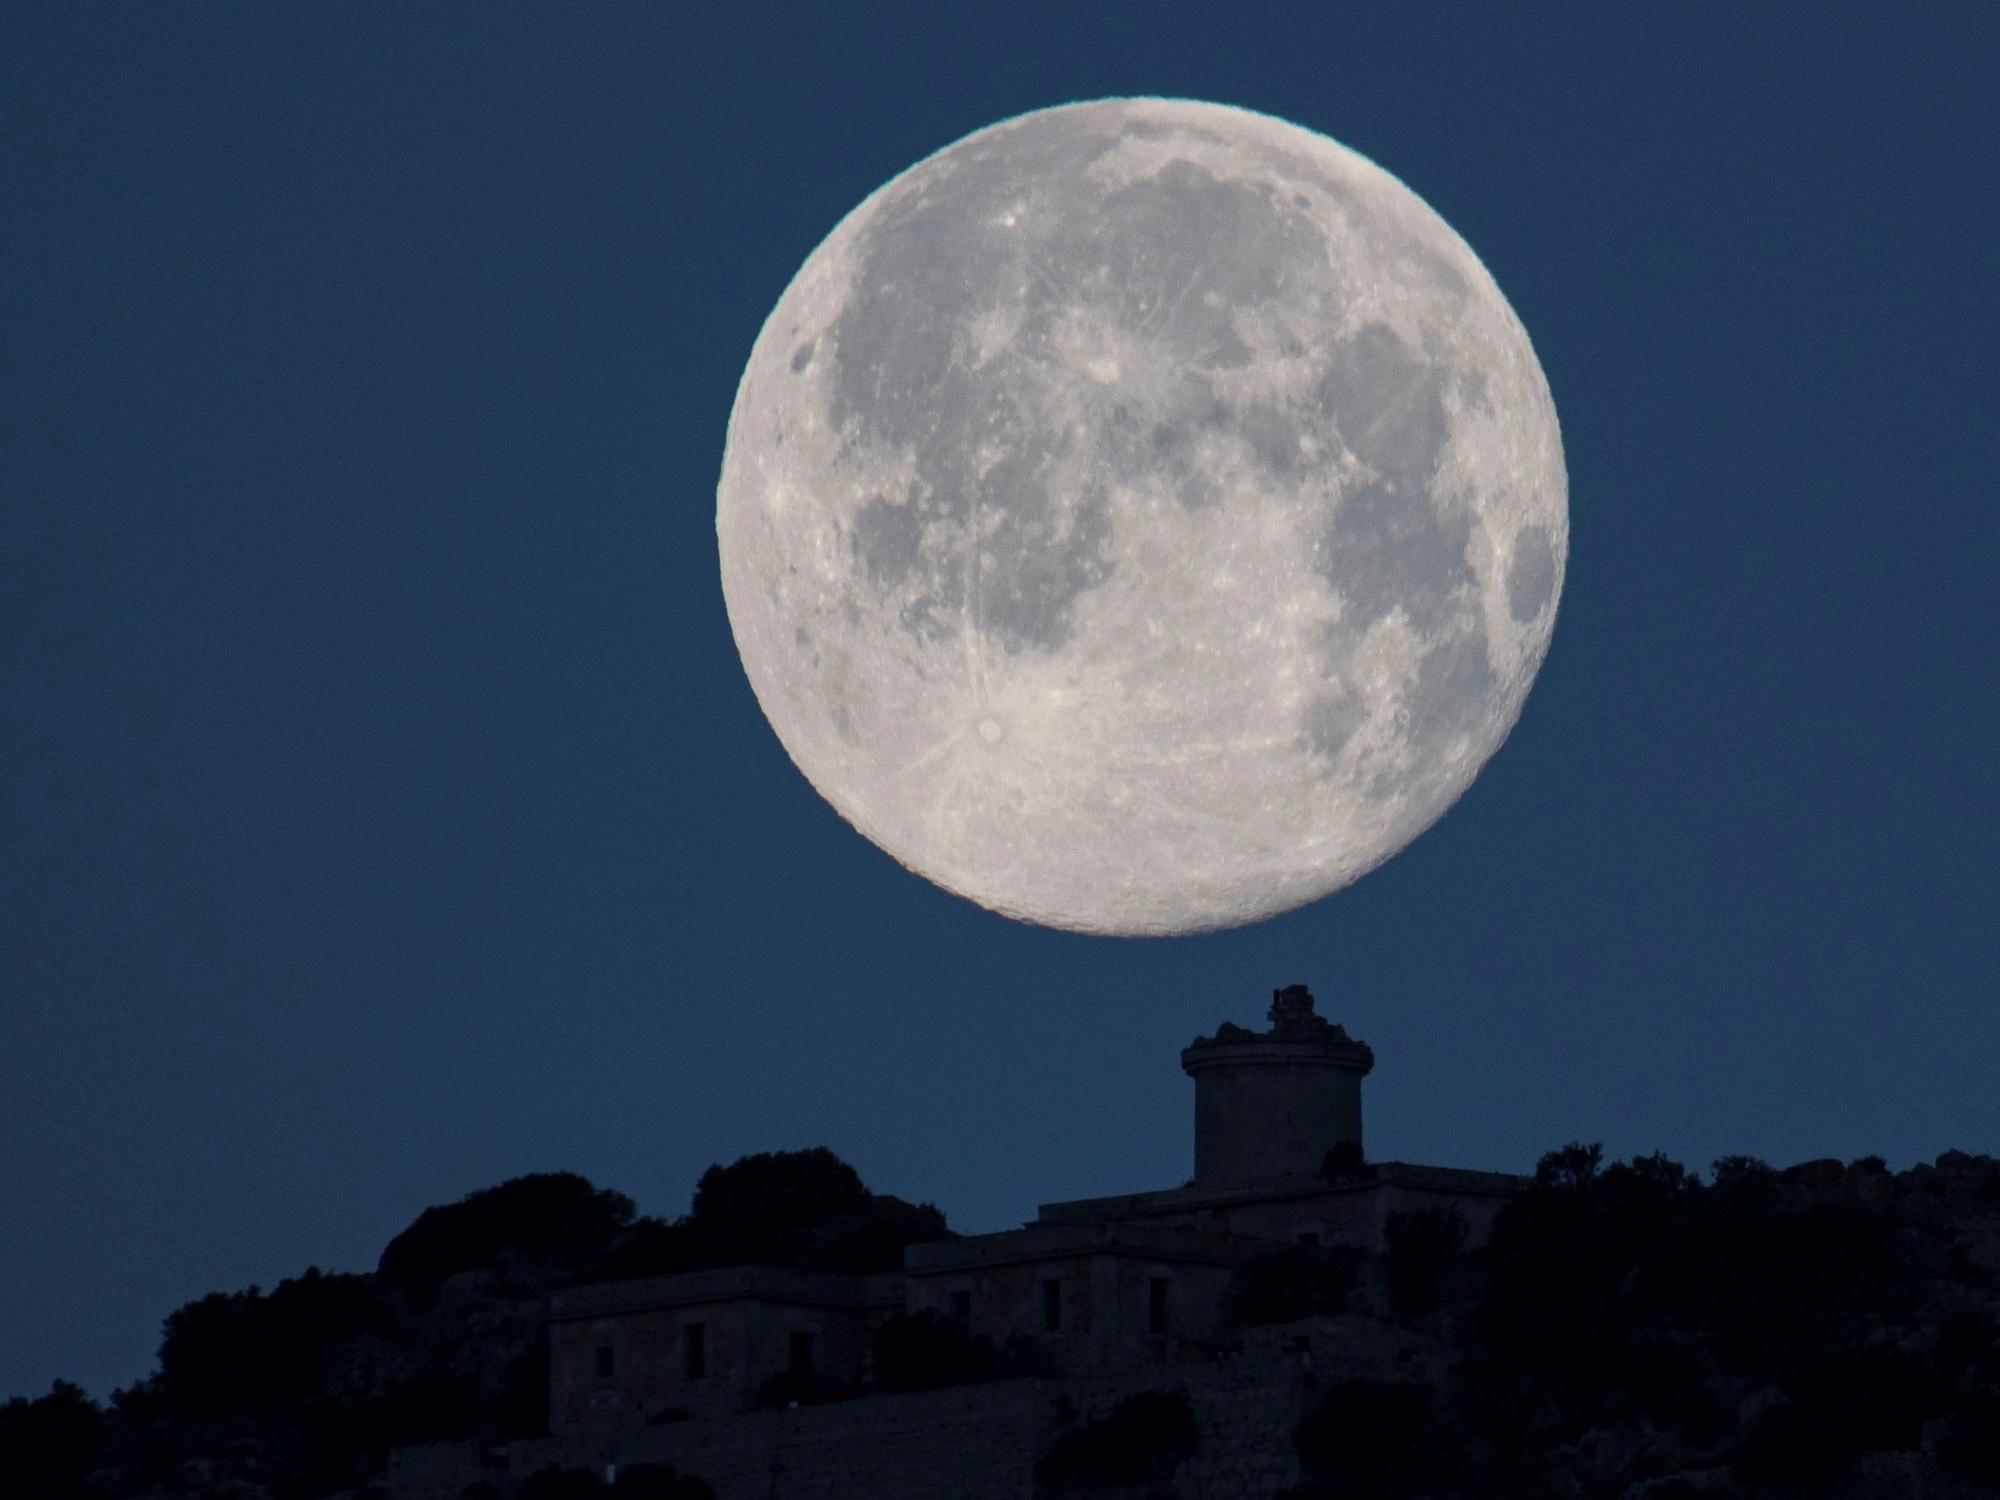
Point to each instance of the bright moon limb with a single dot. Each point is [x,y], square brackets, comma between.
[1142,517]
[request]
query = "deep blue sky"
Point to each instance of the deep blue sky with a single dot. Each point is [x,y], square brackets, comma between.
[384,812]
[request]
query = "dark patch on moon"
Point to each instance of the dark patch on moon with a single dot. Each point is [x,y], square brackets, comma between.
[1531,575]
[1388,544]
[1167,261]
[1331,720]
[803,356]
[1034,576]
[1273,436]
[1386,549]
[1448,699]
[888,539]
[1388,405]
[1183,251]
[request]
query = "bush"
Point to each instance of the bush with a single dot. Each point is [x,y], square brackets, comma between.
[1291,1284]
[921,1351]
[1130,1446]
[1877,1398]
[1420,1245]
[51,1443]
[874,1238]
[553,1483]
[658,1482]
[543,1214]
[1970,1442]
[776,1190]
[1344,1162]
[1791,1446]
[787,1388]
[1372,1437]
[242,1353]
[807,1209]
[1569,1170]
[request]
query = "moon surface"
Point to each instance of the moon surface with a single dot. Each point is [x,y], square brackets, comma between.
[1142,517]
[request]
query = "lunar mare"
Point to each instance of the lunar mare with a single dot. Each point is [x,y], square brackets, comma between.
[1142,517]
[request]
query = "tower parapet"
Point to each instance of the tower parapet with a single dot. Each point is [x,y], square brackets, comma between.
[1271,1104]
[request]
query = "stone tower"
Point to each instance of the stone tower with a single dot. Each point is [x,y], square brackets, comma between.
[1269,1104]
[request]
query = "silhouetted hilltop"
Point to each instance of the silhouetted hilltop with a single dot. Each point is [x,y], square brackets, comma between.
[299,1391]
[1633,1331]
[1630,1331]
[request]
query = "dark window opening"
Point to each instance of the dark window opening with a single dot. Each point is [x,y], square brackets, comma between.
[1309,1237]
[1052,1304]
[1156,1304]
[802,1353]
[694,1351]
[961,1306]
[607,1362]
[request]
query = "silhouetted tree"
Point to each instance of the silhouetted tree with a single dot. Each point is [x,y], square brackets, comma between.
[241,1353]
[1343,1162]
[543,1214]
[49,1445]
[1570,1169]
[791,1208]
[875,1238]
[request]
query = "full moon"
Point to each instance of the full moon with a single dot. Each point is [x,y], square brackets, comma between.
[1142,517]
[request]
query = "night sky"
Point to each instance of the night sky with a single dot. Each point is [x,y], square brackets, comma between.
[384,811]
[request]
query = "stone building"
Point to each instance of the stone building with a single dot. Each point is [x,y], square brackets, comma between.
[1111,1294]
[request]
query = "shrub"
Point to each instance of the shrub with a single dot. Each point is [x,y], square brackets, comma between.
[1569,1170]
[544,1213]
[553,1483]
[1420,1245]
[1130,1446]
[50,1443]
[921,1351]
[1370,1436]
[1344,1161]
[776,1189]
[1291,1284]
[1970,1442]
[1792,1445]
[241,1353]
[1877,1397]
[658,1482]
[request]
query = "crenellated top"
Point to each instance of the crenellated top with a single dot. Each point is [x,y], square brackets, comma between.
[1294,1025]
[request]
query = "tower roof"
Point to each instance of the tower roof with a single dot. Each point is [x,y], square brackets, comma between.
[1297,1031]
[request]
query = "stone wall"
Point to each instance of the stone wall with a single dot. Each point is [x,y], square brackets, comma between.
[1105,1275]
[979,1442]
[618,1353]
[968,1443]
[1353,1211]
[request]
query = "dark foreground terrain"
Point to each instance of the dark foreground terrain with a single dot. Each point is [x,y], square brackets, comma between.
[1633,1330]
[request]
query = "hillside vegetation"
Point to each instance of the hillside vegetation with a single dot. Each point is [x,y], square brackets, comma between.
[299,1391]
[1631,1332]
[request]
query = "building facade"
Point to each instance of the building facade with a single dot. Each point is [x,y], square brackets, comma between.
[1097,1296]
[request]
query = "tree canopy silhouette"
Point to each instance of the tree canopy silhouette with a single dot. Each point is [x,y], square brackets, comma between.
[542,1214]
